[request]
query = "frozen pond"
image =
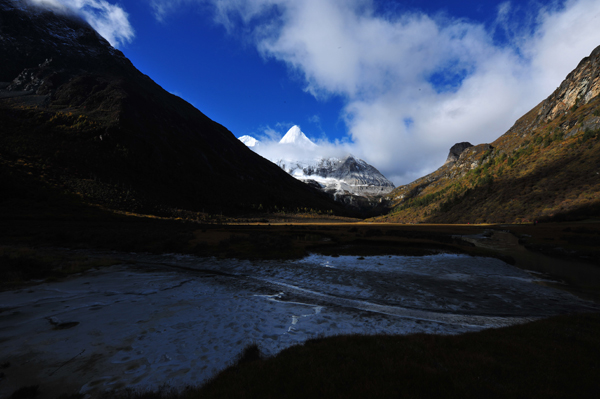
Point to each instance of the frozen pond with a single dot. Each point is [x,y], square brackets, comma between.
[180,319]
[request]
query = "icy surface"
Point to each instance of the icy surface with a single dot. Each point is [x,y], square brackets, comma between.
[180,319]
[249,141]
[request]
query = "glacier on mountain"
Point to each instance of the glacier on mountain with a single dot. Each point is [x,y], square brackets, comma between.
[342,176]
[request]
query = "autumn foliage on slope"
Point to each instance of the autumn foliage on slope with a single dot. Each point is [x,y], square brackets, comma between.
[546,167]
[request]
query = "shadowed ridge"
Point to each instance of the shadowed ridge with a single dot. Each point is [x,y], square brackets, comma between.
[86,120]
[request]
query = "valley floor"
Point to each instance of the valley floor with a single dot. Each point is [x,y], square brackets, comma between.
[180,319]
[167,301]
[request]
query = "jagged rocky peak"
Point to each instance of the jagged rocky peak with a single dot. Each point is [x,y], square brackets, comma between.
[340,176]
[456,150]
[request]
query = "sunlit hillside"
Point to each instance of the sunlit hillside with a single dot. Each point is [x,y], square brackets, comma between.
[547,166]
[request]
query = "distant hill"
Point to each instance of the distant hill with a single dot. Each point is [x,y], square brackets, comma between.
[545,167]
[78,116]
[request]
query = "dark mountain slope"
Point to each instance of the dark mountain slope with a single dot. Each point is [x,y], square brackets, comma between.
[546,167]
[78,115]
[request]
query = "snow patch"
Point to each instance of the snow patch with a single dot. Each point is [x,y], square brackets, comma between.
[249,141]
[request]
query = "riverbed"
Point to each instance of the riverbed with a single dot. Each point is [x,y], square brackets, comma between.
[180,319]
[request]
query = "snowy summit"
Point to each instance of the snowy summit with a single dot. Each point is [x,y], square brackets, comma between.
[296,137]
[249,141]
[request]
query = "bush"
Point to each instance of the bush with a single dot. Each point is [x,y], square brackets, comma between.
[589,134]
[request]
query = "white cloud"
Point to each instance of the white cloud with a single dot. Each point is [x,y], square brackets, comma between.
[316,119]
[416,84]
[53,5]
[271,148]
[109,20]
[162,8]
[269,135]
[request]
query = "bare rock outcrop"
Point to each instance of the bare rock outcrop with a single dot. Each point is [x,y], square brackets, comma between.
[579,88]
[456,150]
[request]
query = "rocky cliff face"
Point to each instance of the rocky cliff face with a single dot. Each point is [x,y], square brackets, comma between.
[579,88]
[544,166]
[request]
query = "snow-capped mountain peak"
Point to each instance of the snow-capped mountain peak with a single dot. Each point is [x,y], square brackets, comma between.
[249,141]
[344,177]
[296,137]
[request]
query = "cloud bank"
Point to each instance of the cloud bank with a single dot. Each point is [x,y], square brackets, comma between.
[109,20]
[415,84]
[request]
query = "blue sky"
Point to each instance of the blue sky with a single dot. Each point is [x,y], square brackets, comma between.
[396,83]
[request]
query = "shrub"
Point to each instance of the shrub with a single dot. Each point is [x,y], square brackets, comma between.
[558,135]
[486,154]
[589,134]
